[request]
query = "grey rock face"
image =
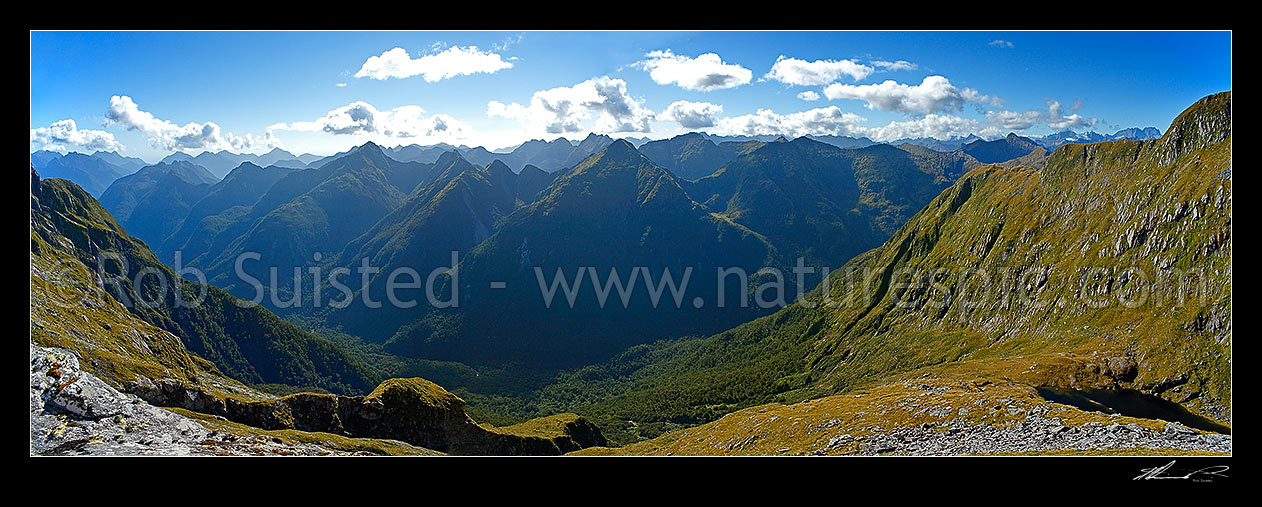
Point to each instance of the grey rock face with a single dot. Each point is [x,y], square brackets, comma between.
[74,412]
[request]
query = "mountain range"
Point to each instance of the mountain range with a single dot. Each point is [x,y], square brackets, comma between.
[1000,296]
[1098,246]
[97,171]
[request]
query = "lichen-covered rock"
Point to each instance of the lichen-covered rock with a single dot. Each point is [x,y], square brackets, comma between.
[74,412]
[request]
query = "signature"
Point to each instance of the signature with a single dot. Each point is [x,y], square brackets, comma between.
[1204,474]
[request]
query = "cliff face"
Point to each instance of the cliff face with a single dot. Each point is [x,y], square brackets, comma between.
[74,412]
[411,410]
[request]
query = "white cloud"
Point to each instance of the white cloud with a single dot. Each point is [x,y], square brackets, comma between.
[942,127]
[565,109]
[822,121]
[1012,120]
[935,94]
[704,73]
[124,112]
[1057,119]
[452,62]
[832,121]
[65,134]
[403,122]
[1054,117]
[692,115]
[808,96]
[1000,43]
[341,85]
[817,73]
[894,66]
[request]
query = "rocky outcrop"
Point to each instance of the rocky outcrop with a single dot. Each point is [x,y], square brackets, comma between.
[1205,123]
[74,412]
[411,410]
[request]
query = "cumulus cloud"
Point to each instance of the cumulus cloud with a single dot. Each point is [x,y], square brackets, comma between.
[833,121]
[1054,116]
[65,135]
[452,62]
[1057,119]
[894,66]
[565,109]
[808,96]
[817,73]
[1012,120]
[692,115]
[403,122]
[942,127]
[934,94]
[822,121]
[704,73]
[124,112]
[1000,43]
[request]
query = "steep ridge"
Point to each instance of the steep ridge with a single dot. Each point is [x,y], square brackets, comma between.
[306,213]
[615,210]
[823,203]
[93,173]
[92,356]
[1108,269]
[122,196]
[1000,150]
[690,156]
[456,212]
[239,189]
[246,343]
[551,156]
[161,210]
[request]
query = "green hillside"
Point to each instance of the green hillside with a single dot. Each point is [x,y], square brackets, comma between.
[1087,260]
[247,343]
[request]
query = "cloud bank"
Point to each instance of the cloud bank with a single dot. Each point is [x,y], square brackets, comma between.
[704,73]
[817,73]
[822,121]
[934,94]
[452,62]
[692,115]
[65,135]
[403,122]
[124,112]
[567,109]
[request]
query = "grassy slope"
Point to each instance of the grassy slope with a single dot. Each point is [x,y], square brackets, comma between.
[249,344]
[1155,205]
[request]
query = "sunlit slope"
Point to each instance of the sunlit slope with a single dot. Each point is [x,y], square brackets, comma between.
[1087,256]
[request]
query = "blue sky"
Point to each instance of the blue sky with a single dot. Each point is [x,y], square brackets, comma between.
[150,93]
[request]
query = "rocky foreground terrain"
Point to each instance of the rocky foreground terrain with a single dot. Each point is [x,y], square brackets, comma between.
[928,417]
[73,412]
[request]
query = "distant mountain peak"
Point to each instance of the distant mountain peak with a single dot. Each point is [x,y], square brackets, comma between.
[620,149]
[498,166]
[448,157]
